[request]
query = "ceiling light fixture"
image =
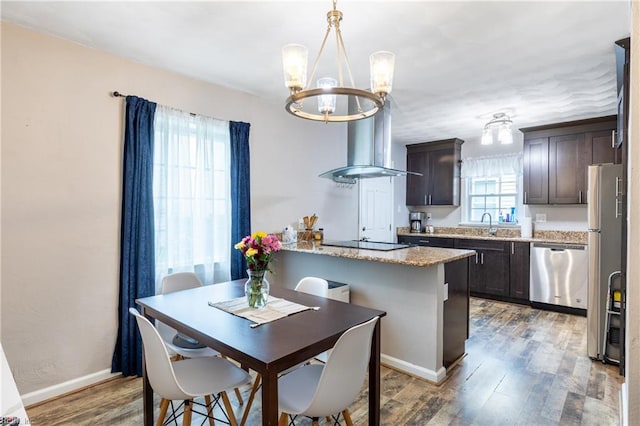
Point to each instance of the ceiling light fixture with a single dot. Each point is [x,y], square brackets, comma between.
[329,90]
[502,123]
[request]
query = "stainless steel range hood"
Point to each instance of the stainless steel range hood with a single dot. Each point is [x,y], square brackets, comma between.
[369,149]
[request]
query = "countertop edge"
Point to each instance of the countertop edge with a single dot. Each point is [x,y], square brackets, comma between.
[492,238]
[420,255]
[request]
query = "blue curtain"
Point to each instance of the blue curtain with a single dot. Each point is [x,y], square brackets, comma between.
[240,193]
[137,265]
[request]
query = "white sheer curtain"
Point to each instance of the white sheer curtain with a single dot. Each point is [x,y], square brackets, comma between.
[191,195]
[498,165]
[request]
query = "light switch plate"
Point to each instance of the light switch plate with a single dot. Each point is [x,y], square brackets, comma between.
[446,291]
[428,216]
[541,217]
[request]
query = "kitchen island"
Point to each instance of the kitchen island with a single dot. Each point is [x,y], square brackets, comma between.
[424,291]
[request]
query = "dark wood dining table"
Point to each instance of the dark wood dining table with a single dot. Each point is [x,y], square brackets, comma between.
[269,348]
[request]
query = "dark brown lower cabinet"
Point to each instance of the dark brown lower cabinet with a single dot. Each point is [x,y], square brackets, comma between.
[456,310]
[489,271]
[519,271]
[500,269]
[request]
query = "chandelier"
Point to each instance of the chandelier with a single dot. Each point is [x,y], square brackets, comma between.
[502,123]
[331,94]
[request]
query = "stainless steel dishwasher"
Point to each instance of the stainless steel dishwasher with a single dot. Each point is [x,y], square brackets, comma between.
[558,274]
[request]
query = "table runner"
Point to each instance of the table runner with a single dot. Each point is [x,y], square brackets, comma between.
[276,308]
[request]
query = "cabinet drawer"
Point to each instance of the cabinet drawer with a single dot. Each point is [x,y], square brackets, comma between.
[486,245]
[426,241]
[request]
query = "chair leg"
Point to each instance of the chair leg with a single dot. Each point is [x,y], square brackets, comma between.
[347,418]
[229,409]
[238,395]
[186,419]
[284,419]
[207,401]
[164,406]
[254,389]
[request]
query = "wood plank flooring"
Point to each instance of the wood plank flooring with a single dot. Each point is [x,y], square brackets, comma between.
[523,367]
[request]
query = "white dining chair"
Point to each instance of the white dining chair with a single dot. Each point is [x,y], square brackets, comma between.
[318,390]
[187,379]
[313,285]
[317,287]
[183,346]
[310,285]
[178,344]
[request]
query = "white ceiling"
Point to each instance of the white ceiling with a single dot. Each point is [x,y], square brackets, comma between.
[457,63]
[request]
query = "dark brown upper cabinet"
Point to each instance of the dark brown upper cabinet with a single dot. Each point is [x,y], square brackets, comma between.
[556,157]
[536,171]
[439,163]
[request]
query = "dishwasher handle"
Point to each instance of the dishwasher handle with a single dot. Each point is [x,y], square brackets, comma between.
[558,247]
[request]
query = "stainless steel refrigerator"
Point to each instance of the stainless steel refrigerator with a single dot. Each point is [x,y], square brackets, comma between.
[605,240]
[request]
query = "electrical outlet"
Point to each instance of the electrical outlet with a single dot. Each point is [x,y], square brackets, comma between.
[541,217]
[428,216]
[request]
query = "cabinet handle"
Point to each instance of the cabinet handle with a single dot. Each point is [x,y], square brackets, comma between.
[613,139]
[425,199]
[424,241]
[525,197]
[476,258]
[513,251]
[579,197]
[482,258]
[429,199]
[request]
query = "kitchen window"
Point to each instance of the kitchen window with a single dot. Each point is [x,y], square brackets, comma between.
[191,195]
[492,186]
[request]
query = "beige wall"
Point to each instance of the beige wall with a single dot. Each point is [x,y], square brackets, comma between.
[61,179]
[632,337]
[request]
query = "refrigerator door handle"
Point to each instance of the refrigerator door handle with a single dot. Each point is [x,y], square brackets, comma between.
[593,192]
[618,196]
[594,336]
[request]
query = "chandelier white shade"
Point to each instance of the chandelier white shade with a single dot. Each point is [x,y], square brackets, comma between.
[294,64]
[500,124]
[332,94]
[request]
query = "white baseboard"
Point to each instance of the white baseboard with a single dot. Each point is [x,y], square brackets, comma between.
[414,370]
[66,387]
[623,404]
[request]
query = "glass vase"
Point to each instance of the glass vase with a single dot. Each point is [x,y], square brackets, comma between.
[257,289]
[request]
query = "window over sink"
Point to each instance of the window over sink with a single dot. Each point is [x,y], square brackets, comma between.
[492,185]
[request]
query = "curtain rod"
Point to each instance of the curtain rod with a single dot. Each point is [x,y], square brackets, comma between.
[117,94]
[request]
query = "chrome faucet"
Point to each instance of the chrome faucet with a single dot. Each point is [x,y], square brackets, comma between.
[491,230]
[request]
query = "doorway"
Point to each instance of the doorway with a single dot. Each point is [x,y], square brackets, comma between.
[375,210]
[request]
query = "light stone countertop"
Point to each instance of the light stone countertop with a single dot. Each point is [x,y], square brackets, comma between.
[503,234]
[412,256]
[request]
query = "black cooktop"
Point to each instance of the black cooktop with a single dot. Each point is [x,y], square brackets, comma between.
[366,245]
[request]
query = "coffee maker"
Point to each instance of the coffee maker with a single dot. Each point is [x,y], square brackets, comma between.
[416,220]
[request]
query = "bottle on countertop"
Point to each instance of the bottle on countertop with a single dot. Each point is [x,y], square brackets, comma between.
[501,218]
[513,214]
[428,228]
